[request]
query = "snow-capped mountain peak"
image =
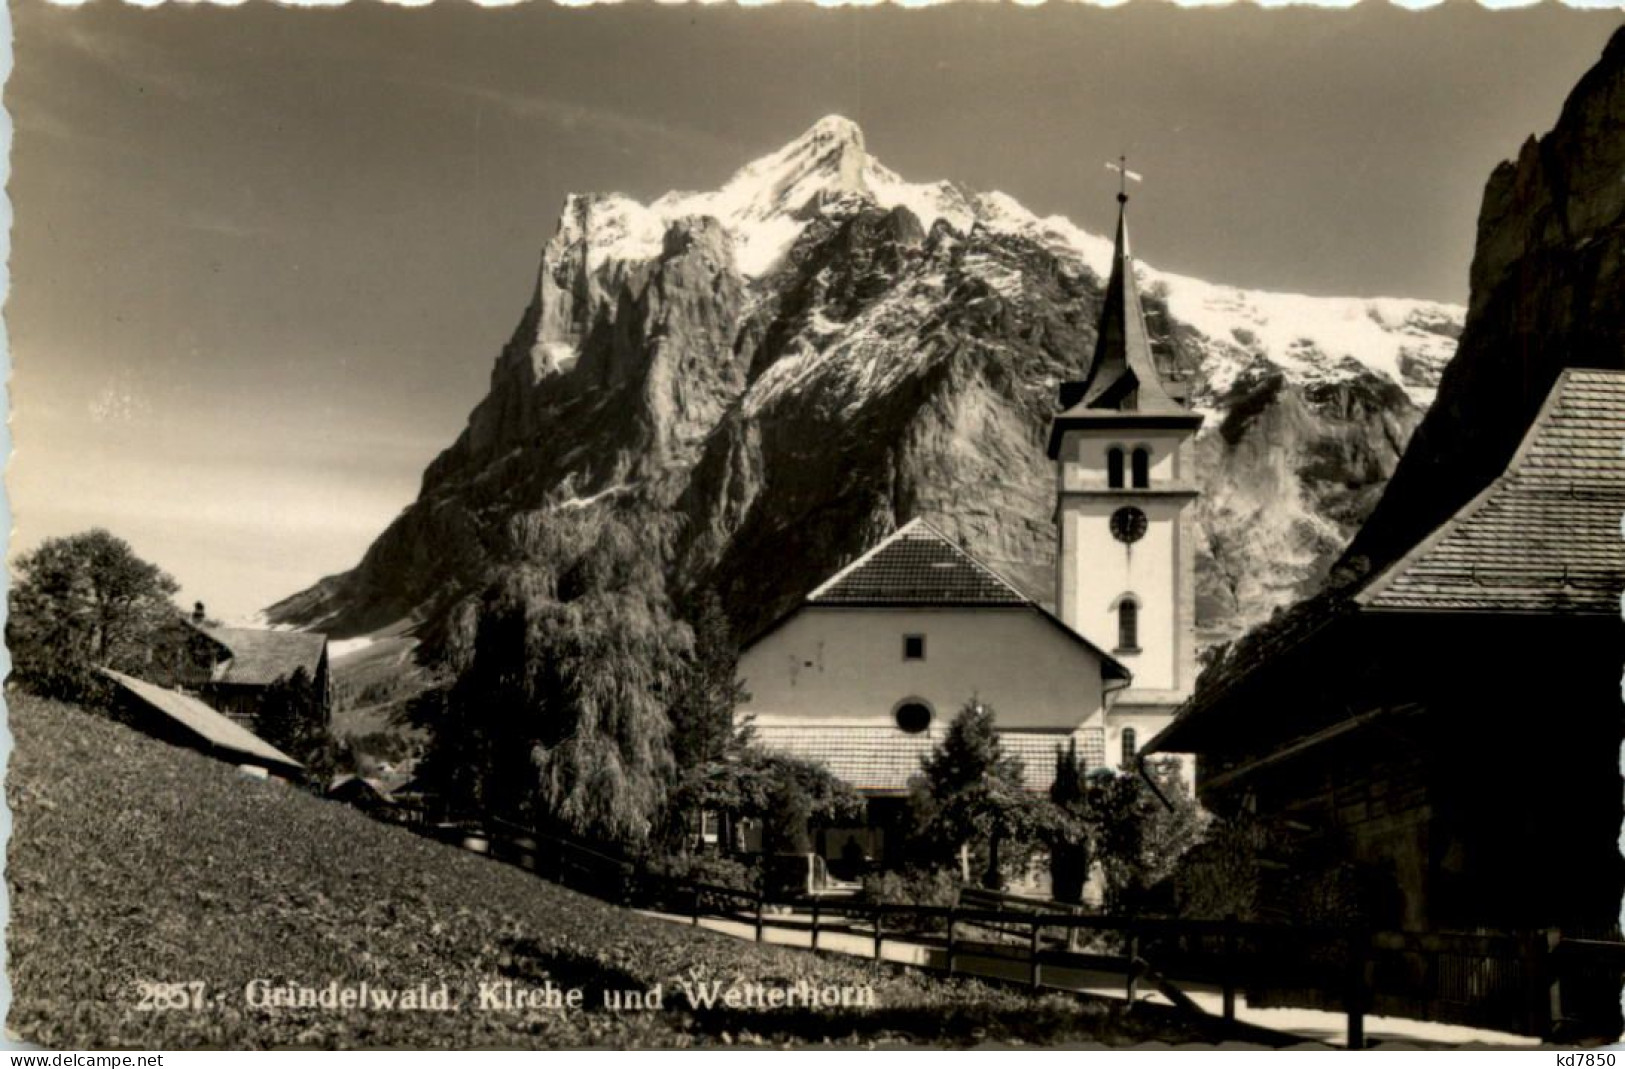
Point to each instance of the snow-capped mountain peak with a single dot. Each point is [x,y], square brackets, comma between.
[768,203]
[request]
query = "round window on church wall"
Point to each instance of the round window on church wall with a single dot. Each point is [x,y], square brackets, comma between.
[913,717]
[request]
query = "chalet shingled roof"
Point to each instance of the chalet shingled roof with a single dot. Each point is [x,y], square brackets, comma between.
[260,657]
[197,718]
[1544,536]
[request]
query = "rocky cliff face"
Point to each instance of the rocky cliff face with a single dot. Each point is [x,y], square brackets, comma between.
[1548,292]
[769,377]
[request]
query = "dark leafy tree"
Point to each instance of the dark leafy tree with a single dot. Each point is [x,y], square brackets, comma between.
[786,828]
[1135,835]
[604,757]
[602,668]
[1071,832]
[708,692]
[559,712]
[291,716]
[474,763]
[86,601]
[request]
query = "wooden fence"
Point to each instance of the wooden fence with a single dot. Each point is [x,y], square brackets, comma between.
[1537,983]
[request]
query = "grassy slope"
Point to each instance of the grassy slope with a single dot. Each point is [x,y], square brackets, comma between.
[133,860]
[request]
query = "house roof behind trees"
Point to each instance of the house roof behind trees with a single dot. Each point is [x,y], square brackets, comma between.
[260,658]
[211,727]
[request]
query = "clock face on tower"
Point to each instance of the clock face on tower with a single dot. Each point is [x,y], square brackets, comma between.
[1128,525]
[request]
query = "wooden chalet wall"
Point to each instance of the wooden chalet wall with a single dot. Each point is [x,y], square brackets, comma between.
[1464,761]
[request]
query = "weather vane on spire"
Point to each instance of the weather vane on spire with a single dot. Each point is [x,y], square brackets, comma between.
[1123,176]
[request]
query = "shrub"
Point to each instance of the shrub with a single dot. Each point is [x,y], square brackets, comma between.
[705,868]
[790,796]
[912,887]
[1262,870]
[682,869]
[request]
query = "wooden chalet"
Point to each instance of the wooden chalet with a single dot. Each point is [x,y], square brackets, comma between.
[184,720]
[1452,721]
[239,666]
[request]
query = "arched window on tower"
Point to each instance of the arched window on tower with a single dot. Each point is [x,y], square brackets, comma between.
[1140,468]
[1114,468]
[1128,625]
[1130,747]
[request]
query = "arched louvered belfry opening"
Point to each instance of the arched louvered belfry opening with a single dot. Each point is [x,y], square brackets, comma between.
[1128,624]
[1114,468]
[1140,468]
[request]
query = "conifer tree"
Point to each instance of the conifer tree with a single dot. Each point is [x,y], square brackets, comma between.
[971,794]
[706,737]
[1071,832]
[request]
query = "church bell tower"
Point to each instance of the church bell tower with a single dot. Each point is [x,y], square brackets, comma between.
[1125,484]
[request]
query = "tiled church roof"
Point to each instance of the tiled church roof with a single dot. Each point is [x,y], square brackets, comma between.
[917,565]
[882,759]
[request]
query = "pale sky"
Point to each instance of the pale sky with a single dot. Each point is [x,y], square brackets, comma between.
[264,257]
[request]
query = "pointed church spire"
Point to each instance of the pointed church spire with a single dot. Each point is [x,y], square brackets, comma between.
[1122,376]
[1121,385]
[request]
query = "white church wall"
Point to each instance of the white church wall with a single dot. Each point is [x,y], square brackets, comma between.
[1145,725]
[837,664]
[1097,571]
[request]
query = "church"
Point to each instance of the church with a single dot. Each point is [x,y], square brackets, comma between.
[865,675]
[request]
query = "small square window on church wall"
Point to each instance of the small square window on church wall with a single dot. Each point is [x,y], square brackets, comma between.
[913,647]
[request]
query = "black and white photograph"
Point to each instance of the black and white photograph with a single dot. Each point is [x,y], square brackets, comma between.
[657,525]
